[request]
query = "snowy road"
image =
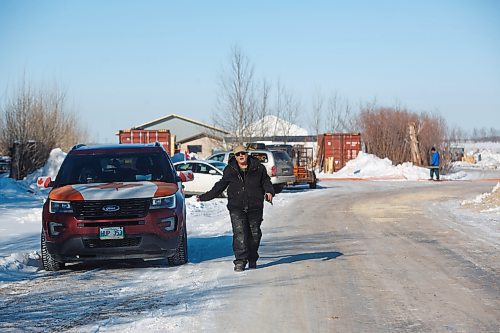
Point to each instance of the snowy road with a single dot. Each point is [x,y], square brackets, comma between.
[353,256]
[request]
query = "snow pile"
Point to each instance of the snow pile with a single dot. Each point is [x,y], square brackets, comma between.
[368,166]
[485,159]
[52,166]
[211,217]
[18,265]
[50,169]
[486,202]
[20,211]
[13,191]
[274,126]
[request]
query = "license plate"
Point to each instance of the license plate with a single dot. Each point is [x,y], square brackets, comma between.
[111,233]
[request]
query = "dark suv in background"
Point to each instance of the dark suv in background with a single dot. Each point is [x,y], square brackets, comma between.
[114,202]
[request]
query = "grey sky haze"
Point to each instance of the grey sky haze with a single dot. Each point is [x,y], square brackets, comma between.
[123,63]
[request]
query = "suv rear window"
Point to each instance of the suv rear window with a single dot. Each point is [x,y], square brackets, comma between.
[115,167]
[281,156]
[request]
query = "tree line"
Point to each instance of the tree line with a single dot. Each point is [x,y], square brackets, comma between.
[33,121]
[243,99]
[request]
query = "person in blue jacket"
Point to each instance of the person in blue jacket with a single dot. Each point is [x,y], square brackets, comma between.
[434,164]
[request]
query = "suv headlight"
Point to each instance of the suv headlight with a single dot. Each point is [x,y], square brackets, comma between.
[163,202]
[60,207]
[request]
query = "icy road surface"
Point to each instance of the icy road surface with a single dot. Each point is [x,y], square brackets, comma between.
[352,256]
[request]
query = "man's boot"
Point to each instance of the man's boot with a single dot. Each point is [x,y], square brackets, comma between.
[239,267]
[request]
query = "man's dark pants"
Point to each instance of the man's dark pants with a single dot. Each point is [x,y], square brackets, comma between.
[246,235]
[435,170]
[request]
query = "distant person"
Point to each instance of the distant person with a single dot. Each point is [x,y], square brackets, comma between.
[248,184]
[434,168]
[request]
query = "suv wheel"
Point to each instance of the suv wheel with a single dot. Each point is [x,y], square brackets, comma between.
[180,256]
[278,188]
[48,262]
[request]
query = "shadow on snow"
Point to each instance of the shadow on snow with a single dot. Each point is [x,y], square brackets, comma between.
[288,259]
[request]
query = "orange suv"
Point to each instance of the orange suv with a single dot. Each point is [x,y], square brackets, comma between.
[114,202]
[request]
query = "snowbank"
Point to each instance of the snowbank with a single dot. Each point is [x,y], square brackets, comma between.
[368,166]
[485,202]
[18,266]
[52,166]
[485,159]
[20,213]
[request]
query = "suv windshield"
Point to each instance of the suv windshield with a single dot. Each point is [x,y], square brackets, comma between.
[115,167]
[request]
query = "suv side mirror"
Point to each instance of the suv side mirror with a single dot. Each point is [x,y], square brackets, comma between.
[44,182]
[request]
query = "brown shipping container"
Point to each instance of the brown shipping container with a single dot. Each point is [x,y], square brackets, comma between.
[146,136]
[341,147]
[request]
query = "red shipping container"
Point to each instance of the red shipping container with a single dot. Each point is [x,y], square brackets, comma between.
[146,136]
[341,147]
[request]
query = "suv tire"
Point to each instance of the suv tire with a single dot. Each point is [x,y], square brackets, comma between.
[48,262]
[181,253]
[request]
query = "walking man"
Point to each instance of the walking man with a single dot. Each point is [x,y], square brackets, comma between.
[434,164]
[248,184]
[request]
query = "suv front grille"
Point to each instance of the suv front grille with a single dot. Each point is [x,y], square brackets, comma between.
[98,243]
[128,208]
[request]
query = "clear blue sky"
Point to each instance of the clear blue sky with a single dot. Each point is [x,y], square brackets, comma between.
[123,63]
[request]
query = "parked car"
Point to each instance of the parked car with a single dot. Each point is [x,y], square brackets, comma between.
[4,164]
[114,202]
[303,163]
[206,174]
[278,164]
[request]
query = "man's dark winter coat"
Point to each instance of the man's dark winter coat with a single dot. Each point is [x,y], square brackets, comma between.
[244,192]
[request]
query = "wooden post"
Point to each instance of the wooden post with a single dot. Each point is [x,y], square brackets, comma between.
[414,145]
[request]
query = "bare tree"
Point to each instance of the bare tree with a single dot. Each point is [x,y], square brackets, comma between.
[457,134]
[483,133]
[287,108]
[263,111]
[432,132]
[315,122]
[34,121]
[333,109]
[340,115]
[492,134]
[385,132]
[279,106]
[237,103]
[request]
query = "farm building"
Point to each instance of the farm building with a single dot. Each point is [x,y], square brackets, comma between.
[191,135]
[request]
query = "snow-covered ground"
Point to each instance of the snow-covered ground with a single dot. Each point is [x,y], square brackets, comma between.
[209,227]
